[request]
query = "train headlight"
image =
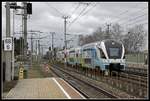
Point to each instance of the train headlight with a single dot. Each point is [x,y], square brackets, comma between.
[122,61]
[106,61]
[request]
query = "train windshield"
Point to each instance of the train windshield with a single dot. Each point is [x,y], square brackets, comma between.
[114,52]
[114,49]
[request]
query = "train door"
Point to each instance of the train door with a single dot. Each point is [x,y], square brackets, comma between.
[93,52]
[87,56]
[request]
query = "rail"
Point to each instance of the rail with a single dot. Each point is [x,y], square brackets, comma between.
[84,83]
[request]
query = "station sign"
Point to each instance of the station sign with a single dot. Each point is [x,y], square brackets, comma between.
[8,44]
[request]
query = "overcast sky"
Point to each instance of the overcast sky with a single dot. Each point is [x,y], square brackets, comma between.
[47,17]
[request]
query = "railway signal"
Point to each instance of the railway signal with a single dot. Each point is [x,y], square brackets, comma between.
[29,8]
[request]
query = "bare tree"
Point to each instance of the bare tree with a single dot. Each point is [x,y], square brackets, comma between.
[135,38]
[81,40]
[99,34]
[116,32]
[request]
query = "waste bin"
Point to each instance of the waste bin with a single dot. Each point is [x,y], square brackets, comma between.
[25,73]
[16,77]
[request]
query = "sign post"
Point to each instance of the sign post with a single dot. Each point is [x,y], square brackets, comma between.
[8,44]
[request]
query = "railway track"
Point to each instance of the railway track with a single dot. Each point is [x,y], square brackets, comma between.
[132,78]
[125,77]
[135,76]
[133,81]
[84,87]
[136,71]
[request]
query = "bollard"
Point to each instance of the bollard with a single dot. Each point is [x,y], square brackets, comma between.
[117,84]
[120,85]
[140,92]
[127,87]
[21,69]
[112,83]
[131,89]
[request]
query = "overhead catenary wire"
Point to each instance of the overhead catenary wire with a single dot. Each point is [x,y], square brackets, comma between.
[89,9]
[126,11]
[75,9]
[78,15]
[131,13]
[134,20]
[41,37]
[122,13]
[128,16]
[55,9]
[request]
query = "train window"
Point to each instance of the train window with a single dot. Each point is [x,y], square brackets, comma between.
[114,52]
[72,54]
[102,54]
[95,54]
[87,54]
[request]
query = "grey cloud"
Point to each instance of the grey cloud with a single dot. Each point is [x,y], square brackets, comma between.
[48,19]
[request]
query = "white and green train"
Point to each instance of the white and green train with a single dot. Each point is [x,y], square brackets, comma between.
[105,55]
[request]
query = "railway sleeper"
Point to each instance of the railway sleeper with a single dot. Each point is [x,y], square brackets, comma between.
[93,72]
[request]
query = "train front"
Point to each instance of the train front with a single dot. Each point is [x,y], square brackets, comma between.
[114,55]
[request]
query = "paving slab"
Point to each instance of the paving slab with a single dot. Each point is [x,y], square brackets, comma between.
[43,88]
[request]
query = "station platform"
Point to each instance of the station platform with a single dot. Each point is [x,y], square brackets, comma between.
[43,88]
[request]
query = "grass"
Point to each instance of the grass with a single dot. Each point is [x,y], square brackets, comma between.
[34,72]
[37,72]
[137,58]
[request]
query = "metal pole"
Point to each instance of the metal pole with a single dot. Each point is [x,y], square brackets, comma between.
[65,17]
[108,35]
[31,50]
[65,34]
[65,39]
[8,53]
[25,29]
[22,37]
[36,50]
[137,58]
[39,51]
[13,44]
[42,51]
[52,50]
[52,41]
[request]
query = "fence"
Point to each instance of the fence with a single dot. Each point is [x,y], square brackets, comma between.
[137,58]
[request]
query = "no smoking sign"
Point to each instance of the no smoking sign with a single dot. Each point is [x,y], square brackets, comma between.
[8,44]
